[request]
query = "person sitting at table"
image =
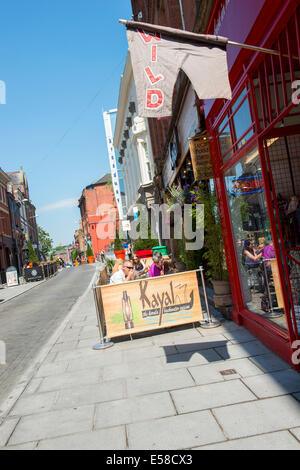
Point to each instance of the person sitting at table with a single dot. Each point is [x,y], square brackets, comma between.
[124,274]
[157,268]
[138,265]
[251,257]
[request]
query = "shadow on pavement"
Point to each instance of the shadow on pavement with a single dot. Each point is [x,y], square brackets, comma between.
[187,350]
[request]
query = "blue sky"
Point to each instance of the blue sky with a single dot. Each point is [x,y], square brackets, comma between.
[61,61]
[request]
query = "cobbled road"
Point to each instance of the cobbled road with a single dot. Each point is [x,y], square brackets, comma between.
[28,321]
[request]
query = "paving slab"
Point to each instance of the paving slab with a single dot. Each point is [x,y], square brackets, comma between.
[269,362]
[107,439]
[210,396]
[89,394]
[239,351]
[53,424]
[178,432]
[37,403]
[259,417]
[296,433]
[224,371]
[274,441]
[67,380]
[6,430]
[275,384]
[159,382]
[131,410]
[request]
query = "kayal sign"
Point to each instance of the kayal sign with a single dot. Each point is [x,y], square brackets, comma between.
[151,303]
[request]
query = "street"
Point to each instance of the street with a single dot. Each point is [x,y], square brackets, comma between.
[28,321]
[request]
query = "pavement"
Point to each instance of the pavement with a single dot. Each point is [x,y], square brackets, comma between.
[184,388]
[9,293]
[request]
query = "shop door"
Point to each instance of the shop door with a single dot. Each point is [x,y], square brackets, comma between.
[282,154]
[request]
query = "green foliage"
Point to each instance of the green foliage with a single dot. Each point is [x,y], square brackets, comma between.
[45,241]
[32,256]
[89,251]
[214,247]
[109,264]
[74,255]
[118,246]
[146,244]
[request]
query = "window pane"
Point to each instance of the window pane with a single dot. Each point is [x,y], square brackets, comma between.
[225,141]
[242,122]
[253,241]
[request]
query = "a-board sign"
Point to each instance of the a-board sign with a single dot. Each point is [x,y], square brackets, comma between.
[151,303]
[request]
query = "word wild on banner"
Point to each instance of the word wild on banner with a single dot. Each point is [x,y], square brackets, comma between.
[159,53]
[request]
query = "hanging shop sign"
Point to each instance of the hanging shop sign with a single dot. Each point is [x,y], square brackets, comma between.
[201,158]
[247,185]
[151,303]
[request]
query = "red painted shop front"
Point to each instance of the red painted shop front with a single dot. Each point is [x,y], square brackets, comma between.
[255,142]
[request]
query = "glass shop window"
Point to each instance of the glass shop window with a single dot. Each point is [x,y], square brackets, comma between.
[257,263]
[237,128]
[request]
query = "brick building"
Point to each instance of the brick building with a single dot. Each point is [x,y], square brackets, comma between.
[95,221]
[6,241]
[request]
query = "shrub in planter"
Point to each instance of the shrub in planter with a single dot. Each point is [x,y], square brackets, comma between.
[90,254]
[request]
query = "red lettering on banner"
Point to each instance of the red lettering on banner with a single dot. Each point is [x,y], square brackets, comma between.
[154,54]
[148,37]
[151,103]
[151,77]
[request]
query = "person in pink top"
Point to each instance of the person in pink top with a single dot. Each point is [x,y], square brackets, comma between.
[157,268]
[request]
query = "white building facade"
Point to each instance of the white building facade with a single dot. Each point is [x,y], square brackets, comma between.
[132,141]
[115,169]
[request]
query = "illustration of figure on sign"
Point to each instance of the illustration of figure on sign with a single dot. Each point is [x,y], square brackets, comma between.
[127,311]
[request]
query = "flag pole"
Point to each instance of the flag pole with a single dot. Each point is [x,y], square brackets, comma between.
[230,43]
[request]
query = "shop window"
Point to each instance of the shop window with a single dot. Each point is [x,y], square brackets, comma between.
[253,241]
[237,128]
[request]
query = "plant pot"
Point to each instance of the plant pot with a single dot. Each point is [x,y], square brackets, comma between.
[144,253]
[221,287]
[90,259]
[120,254]
[222,297]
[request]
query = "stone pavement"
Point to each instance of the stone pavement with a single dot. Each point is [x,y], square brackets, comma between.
[8,293]
[181,389]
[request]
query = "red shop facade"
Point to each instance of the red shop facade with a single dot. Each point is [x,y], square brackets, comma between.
[255,143]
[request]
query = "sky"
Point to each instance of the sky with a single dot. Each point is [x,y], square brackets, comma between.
[61,62]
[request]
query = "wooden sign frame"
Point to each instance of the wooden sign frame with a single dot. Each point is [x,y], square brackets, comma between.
[150,304]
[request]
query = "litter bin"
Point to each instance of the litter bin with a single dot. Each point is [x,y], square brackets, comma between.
[12,278]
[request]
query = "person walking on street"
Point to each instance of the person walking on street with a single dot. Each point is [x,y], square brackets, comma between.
[102,256]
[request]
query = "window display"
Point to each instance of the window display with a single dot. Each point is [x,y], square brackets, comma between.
[254,245]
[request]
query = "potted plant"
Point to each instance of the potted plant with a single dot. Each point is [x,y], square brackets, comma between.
[143,247]
[214,246]
[90,254]
[118,247]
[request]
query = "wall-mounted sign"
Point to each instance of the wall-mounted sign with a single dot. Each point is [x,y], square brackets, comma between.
[201,158]
[126,226]
[151,303]
[247,185]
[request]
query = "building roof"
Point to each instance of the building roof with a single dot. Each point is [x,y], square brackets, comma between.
[104,180]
